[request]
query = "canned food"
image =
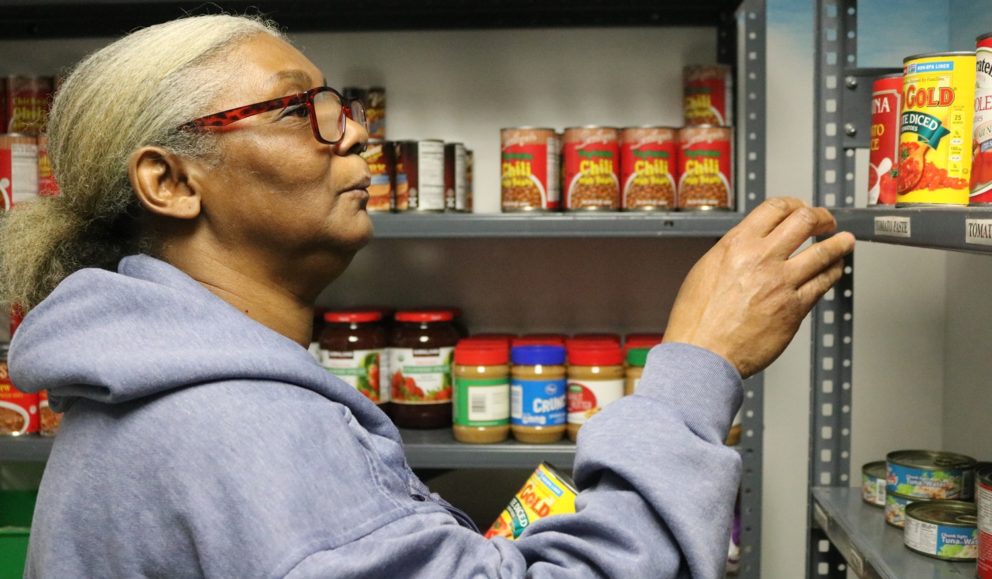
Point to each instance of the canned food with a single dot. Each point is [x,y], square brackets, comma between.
[48,420]
[648,158]
[886,106]
[469,178]
[381,158]
[401,185]
[943,530]
[927,474]
[936,128]
[705,168]
[873,483]
[47,187]
[18,169]
[27,103]
[423,165]
[592,169]
[895,508]
[454,177]
[983,502]
[547,492]
[375,112]
[18,410]
[981,158]
[529,169]
[708,95]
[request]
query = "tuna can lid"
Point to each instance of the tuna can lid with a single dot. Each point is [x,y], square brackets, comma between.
[909,59]
[930,459]
[874,469]
[946,513]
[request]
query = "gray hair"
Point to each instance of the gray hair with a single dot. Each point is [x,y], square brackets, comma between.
[132,93]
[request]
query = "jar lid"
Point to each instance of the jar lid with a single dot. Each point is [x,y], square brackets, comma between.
[595,354]
[643,340]
[482,353]
[637,356]
[547,355]
[425,316]
[598,337]
[351,317]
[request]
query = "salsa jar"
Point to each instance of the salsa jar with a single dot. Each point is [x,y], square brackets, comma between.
[707,92]
[381,159]
[482,391]
[352,346]
[18,410]
[421,352]
[648,164]
[529,160]
[706,178]
[537,394]
[595,378]
[591,179]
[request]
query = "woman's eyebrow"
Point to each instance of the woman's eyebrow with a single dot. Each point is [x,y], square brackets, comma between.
[296,76]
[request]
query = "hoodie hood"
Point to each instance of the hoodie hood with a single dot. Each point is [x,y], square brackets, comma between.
[149,329]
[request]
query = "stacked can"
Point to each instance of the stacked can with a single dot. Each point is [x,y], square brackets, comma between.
[981,162]
[648,165]
[706,179]
[943,530]
[529,169]
[591,159]
[924,475]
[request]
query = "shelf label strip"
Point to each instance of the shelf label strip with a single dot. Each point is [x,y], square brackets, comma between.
[978,231]
[892,226]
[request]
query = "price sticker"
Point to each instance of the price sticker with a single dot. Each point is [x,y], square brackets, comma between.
[978,231]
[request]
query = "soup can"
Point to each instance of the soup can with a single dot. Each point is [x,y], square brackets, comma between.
[886,106]
[705,168]
[983,501]
[873,483]
[936,127]
[944,530]
[18,410]
[529,161]
[895,508]
[423,165]
[547,492]
[375,112]
[591,177]
[401,185]
[469,180]
[381,158]
[47,187]
[648,159]
[708,95]
[981,159]
[454,177]
[928,474]
[18,169]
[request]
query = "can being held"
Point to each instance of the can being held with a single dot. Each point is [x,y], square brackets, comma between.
[18,169]
[18,410]
[529,161]
[547,492]
[592,169]
[708,95]
[983,502]
[944,530]
[935,129]
[886,106]
[928,474]
[423,165]
[454,177]
[375,112]
[873,483]
[381,158]
[648,159]
[895,508]
[706,177]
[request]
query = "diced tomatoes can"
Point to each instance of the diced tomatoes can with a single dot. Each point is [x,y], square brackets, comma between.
[981,159]
[592,168]
[886,106]
[929,474]
[547,492]
[648,164]
[18,169]
[18,410]
[873,483]
[708,95]
[529,169]
[381,158]
[423,163]
[705,167]
[936,127]
[944,530]
[983,501]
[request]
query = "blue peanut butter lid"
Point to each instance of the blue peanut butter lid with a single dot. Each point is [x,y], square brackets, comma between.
[535,355]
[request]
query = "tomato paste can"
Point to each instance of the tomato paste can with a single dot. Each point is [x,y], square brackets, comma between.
[375,112]
[705,168]
[928,474]
[454,177]
[873,483]
[18,169]
[886,106]
[648,159]
[529,169]
[47,187]
[591,177]
[18,410]
[895,508]
[547,492]
[708,95]
[381,158]
[981,159]
[983,501]
[945,530]
[401,185]
[938,110]
[423,164]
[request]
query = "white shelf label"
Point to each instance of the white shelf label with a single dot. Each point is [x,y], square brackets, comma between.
[978,231]
[892,226]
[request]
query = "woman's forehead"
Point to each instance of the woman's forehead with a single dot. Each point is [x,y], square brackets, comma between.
[268,67]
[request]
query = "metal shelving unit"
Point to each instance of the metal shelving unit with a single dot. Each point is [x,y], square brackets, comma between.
[957,229]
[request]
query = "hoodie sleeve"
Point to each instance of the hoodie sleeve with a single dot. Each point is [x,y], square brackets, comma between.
[657,488]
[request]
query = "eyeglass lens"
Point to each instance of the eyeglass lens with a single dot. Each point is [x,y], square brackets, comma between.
[330,121]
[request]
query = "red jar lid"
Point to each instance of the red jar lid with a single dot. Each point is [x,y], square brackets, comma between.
[598,337]
[482,353]
[595,354]
[642,340]
[424,316]
[351,317]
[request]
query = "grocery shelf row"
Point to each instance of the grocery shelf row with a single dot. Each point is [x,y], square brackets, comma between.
[959,228]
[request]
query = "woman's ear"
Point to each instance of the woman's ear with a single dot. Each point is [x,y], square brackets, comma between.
[162,182]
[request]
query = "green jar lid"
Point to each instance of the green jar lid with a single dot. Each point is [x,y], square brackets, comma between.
[637,356]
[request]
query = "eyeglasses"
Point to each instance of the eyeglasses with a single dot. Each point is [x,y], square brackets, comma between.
[325,106]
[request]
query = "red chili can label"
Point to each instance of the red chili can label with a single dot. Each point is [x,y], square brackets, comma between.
[18,410]
[886,106]
[47,187]
[27,103]
[547,492]
[18,169]
[935,129]
[529,169]
[592,168]
[706,168]
[707,92]
[981,160]
[454,177]
[648,159]
[380,156]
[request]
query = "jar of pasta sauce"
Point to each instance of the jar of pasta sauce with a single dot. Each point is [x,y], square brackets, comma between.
[537,403]
[421,352]
[595,378]
[482,391]
[352,345]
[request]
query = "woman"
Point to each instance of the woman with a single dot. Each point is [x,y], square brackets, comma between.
[170,291]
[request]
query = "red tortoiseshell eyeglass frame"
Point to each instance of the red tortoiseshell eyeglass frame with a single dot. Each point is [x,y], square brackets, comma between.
[354,110]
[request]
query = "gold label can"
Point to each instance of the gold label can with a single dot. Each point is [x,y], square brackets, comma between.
[547,492]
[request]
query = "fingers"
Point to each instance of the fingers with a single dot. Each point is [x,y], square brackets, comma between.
[813,290]
[765,217]
[802,224]
[818,257]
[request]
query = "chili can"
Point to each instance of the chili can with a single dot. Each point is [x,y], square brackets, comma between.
[18,410]
[936,127]
[547,492]
[423,164]
[454,177]
[705,168]
[381,158]
[945,530]
[708,95]
[981,160]
[983,501]
[886,106]
[18,169]
[928,474]
[591,168]
[873,483]
[27,102]
[47,187]
[375,112]
[529,161]
[648,159]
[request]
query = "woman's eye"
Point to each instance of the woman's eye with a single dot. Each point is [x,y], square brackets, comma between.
[298,111]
